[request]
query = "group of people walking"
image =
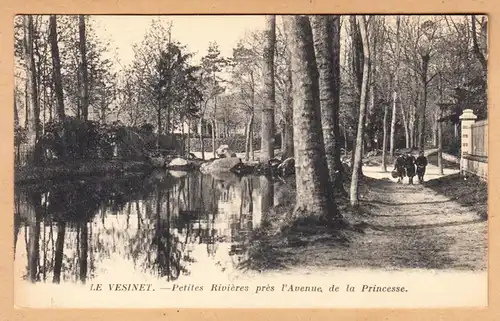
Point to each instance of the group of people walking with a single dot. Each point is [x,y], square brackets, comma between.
[408,165]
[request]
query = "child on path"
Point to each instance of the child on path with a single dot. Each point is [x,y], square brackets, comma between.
[421,163]
[399,167]
[410,167]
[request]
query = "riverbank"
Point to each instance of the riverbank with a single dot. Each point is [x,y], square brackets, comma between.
[398,226]
[75,169]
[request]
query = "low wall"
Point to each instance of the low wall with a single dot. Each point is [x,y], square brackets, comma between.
[477,165]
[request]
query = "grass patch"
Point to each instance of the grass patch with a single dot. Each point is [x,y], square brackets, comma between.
[469,191]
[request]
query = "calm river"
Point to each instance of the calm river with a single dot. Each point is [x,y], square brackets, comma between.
[166,225]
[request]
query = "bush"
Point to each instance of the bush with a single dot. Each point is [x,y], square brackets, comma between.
[20,136]
[74,138]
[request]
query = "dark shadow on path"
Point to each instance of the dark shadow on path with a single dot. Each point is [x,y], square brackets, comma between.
[421,226]
[403,204]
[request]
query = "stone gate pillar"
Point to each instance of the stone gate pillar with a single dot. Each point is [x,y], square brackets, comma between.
[467,119]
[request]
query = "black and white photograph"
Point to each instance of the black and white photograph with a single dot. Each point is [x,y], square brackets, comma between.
[250,161]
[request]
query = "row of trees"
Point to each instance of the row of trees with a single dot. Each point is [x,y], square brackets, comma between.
[383,52]
[63,72]
[322,82]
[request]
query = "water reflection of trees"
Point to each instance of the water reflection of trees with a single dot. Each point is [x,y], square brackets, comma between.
[71,228]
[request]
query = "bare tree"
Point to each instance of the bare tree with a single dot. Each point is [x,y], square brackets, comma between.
[56,63]
[33,113]
[84,81]
[395,85]
[267,141]
[362,107]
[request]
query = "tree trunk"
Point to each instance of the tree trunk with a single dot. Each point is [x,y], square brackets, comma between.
[288,113]
[188,149]
[51,103]
[326,31]
[406,127]
[384,139]
[16,111]
[84,85]
[252,155]
[372,94]
[26,91]
[183,153]
[288,131]
[213,138]
[269,105]
[33,126]
[158,120]
[395,93]
[393,122]
[435,133]
[248,142]
[167,125]
[362,107]
[423,102]
[56,63]
[314,193]
[440,148]
[202,141]
[357,72]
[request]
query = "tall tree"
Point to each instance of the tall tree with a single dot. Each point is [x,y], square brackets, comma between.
[33,113]
[83,67]
[395,85]
[357,63]
[314,193]
[267,136]
[213,64]
[245,66]
[56,63]
[283,74]
[326,31]
[419,48]
[362,107]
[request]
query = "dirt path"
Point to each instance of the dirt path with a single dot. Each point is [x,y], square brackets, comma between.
[406,226]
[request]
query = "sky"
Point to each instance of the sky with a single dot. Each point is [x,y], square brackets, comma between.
[193,31]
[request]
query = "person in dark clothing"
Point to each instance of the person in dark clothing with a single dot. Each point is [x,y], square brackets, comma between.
[399,166]
[421,163]
[410,167]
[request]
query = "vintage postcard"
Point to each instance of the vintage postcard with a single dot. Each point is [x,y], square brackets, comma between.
[250,161]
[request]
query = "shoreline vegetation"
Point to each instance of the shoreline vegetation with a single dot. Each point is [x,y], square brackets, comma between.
[82,169]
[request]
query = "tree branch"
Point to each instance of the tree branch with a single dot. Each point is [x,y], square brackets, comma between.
[477,52]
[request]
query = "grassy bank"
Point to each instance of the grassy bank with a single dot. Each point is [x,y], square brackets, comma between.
[468,191]
[32,174]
